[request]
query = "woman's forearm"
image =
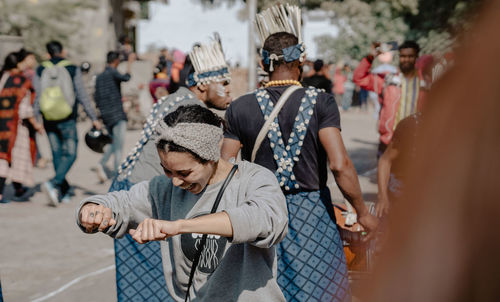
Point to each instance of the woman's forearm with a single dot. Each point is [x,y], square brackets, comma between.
[215,224]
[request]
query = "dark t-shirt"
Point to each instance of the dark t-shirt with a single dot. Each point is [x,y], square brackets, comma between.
[319,81]
[245,120]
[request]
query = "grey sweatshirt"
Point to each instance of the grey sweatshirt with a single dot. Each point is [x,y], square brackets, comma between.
[242,268]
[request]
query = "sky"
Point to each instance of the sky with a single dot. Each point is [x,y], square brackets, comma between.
[182,22]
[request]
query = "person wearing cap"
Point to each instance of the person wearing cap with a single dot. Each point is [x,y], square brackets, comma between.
[218,223]
[399,94]
[207,85]
[318,79]
[295,132]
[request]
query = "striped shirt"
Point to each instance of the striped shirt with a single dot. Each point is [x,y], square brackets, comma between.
[108,97]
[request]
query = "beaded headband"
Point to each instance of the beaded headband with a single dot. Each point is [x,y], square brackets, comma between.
[209,64]
[276,19]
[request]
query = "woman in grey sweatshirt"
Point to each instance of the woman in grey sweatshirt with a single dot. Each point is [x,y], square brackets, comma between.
[238,261]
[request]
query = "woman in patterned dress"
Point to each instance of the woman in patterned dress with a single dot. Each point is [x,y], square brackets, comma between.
[17,122]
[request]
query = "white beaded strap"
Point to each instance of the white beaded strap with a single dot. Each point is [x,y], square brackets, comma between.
[265,128]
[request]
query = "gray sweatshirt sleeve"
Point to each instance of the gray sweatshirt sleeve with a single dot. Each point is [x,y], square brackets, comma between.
[36,104]
[262,219]
[82,96]
[129,208]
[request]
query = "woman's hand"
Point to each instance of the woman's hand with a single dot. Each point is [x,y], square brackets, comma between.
[154,230]
[94,216]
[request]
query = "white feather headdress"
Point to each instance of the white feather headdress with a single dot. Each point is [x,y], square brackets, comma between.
[281,18]
[209,63]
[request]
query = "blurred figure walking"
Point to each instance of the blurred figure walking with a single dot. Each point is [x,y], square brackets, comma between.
[59,88]
[28,66]
[108,99]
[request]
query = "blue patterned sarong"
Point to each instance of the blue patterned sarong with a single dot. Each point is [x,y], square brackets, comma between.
[311,259]
[139,270]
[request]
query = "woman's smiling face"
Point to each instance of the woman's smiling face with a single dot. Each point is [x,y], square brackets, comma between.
[185,171]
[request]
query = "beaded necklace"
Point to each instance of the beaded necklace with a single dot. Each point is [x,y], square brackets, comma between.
[282,83]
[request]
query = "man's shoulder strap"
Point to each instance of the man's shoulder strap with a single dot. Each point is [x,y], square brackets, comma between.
[265,128]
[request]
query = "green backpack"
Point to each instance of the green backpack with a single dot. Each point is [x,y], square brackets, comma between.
[58,96]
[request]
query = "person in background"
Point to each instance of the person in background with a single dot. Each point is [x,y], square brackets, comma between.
[28,66]
[402,150]
[349,87]
[175,72]
[318,79]
[61,128]
[400,95]
[158,86]
[124,48]
[339,78]
[108,99]
[17,144]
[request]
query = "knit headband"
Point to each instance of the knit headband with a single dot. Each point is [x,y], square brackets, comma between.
[202,139]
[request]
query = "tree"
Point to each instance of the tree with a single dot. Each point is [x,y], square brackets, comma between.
[52,19]
[434,24]
[360,23]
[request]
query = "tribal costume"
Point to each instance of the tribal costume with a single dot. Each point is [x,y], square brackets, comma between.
[311,260]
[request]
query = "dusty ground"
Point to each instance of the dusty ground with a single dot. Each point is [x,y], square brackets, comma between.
[45,257]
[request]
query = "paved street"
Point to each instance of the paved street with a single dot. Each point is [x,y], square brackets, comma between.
[45,257]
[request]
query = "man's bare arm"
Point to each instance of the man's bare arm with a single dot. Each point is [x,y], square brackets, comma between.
[345,174]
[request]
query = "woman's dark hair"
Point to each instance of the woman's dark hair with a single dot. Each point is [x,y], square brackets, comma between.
[275,43]
[22,54]
[9,63]
[189,114]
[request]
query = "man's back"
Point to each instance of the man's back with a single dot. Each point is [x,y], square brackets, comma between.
[245,119]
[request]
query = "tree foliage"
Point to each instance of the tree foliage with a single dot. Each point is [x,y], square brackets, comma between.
[434,24]
[359,24]
[38,22]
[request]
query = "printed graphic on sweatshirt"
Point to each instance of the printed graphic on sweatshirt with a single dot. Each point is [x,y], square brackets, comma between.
[212,252]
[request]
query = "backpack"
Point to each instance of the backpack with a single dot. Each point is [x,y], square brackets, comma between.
[58,96]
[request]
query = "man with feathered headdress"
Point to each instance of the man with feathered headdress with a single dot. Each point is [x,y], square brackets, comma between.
[295,132]
[207,85]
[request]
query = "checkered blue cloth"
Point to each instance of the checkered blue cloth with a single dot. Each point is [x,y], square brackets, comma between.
[139,270]
[311,261]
